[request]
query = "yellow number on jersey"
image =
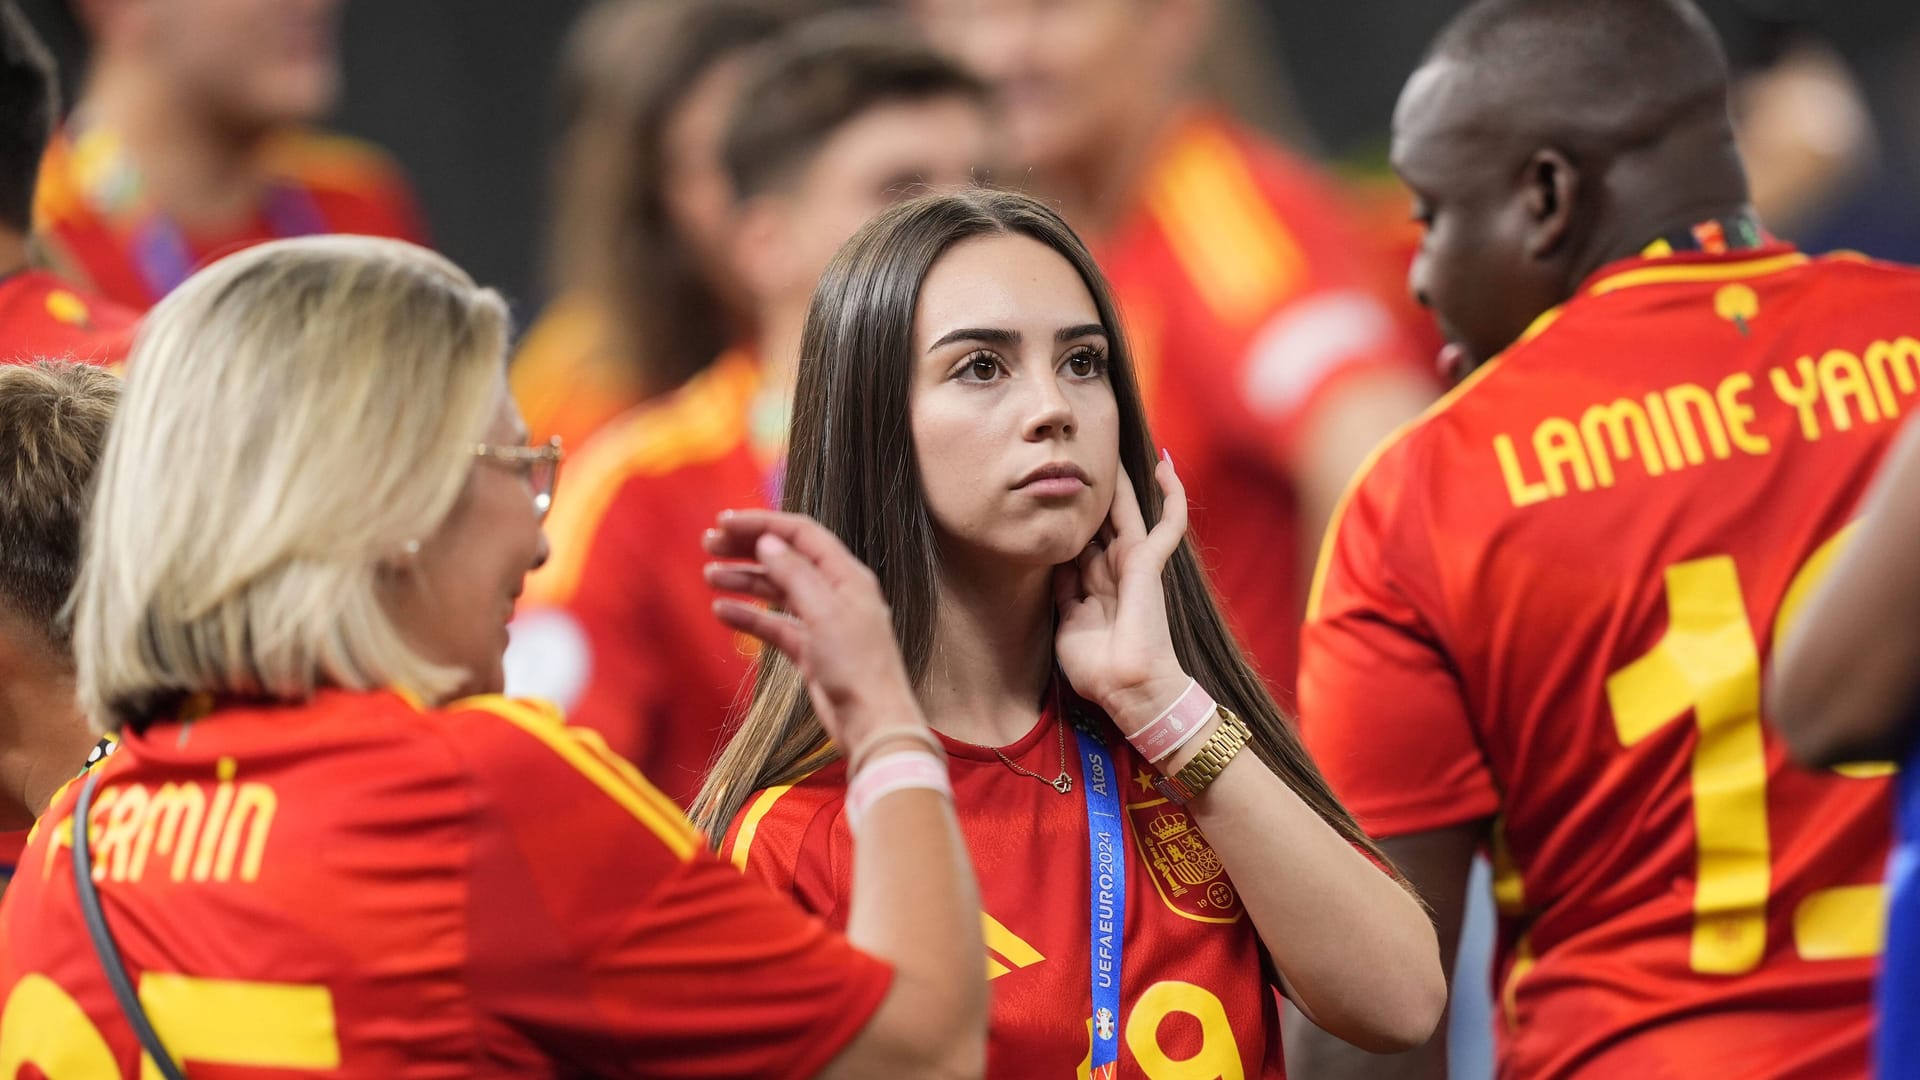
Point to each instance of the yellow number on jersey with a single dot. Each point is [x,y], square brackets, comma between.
[215,1021]
[1219,1055]
[1709,663]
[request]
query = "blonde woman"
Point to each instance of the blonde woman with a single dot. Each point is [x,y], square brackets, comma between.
[326,843]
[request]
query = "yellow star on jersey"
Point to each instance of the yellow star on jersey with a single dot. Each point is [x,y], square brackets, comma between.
[1144,780]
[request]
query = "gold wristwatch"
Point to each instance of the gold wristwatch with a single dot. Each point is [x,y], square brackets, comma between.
[1226,742]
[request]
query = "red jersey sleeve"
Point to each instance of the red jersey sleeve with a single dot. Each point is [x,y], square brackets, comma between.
[603,926]
[1381,708]
[796,839]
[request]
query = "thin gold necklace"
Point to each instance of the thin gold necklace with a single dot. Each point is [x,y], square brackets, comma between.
[1062,783]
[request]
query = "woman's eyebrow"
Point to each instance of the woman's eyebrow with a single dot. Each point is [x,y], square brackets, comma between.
[1068,333]
[983,335]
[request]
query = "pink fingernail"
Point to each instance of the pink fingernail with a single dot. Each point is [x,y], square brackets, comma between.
[1166,455]
[772,545]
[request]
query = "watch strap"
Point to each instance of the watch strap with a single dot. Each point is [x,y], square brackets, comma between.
[1229,737]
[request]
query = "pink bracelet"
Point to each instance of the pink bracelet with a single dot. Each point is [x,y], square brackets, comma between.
[896,771]
[1171,729]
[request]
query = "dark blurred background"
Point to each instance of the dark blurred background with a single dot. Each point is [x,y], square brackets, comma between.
[460,92]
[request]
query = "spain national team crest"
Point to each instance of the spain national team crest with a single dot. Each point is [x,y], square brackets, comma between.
[1189,877]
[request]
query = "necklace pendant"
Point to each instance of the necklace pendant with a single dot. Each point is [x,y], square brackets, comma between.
[1062,783]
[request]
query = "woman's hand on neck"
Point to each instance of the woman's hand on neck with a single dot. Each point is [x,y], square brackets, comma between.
[992,655]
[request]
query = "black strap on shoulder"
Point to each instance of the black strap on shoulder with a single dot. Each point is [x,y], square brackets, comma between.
[103,944]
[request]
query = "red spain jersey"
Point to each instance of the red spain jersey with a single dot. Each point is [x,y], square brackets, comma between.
[11,845]
[90,214]
[44,318]
[1249,291]
[1195,999]
[358,887]
[565,379]
[1550,602]
[618,626]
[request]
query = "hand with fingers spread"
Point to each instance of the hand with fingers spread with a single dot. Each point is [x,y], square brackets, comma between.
[1112,641]
[824,612]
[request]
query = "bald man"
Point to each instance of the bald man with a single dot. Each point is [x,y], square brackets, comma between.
[1541,621]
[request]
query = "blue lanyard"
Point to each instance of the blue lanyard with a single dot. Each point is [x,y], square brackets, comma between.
[164,258]
[1107,898]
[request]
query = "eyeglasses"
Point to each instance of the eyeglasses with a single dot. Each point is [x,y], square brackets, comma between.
[540,464]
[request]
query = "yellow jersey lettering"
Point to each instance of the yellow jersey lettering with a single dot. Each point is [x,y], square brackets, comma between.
[1556,442]
[123,824]
[216,821]
[1520,490]
[1616,420]
[1679,427]
[131,824]
[252,820]
[1694,410]
[175,811]
[1841,378]
[1739,414]
[1803,395]
[1891,364]
[1663,432]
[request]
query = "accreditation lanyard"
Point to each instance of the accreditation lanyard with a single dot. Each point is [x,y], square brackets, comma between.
[165,258]
[1107,898]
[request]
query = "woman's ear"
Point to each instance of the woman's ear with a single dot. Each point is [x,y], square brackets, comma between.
[402,559]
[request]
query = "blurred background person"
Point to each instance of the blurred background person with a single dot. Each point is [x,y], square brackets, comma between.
[1270,364]
[1549,605]
[841,117]
[646,296]
[414,874]
[53,422]
[461,91]
[40,314]
[1828,105]
[192,138]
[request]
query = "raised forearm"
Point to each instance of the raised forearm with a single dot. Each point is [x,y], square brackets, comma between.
[1845,683]
[1357,952]
[1312,1052]
[915,904]
[1439,866]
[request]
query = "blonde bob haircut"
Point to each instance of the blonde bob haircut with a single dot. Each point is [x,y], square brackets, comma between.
[294,415]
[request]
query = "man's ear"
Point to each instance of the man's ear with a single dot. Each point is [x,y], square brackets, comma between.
[1552,189]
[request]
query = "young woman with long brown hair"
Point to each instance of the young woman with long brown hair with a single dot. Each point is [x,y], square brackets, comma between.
[967,421]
